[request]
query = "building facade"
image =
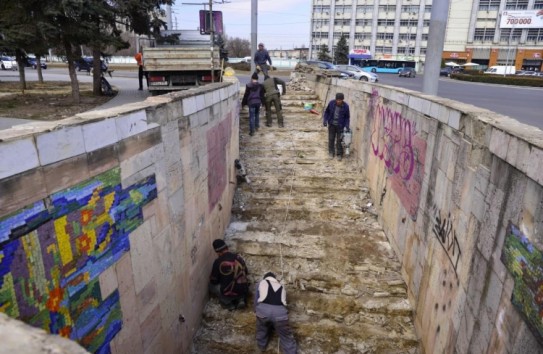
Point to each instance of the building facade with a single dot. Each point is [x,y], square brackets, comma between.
[477,30]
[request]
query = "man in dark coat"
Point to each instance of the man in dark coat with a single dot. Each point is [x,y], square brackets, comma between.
[272,95]
[336,117]
[228,279]
[253,97]
[261,59]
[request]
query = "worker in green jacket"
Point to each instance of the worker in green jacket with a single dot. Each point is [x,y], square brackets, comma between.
[272,95]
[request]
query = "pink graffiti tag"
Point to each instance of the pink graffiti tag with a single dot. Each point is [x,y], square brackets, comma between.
[394,141]
[391,141]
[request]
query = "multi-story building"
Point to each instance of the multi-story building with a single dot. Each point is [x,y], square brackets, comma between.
[479,31]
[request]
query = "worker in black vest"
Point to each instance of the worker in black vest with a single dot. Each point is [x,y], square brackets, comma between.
[271,313]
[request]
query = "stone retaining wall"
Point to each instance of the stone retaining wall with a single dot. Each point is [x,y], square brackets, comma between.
[461,196]
[107,219]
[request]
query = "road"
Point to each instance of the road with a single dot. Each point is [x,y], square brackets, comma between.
[524,104]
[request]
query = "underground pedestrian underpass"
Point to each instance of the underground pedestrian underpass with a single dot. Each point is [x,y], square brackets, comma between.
[426,239]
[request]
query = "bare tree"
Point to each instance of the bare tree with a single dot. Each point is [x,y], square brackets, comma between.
[237,47]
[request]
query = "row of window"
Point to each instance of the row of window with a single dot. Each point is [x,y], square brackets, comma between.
[506,34]
[484,5]
[368,22]
[379,49]
[365,36]
[494,5]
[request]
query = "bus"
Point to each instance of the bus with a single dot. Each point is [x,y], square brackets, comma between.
[383,65]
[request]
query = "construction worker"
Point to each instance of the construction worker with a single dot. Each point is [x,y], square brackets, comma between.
[261,59]
[228,279]
[139,61]
[272,95]
[336,117]
[271,313]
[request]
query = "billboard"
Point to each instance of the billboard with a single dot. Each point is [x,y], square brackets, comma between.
[205,23]
[522,19]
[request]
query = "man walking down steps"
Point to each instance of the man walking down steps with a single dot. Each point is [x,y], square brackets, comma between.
[306,217]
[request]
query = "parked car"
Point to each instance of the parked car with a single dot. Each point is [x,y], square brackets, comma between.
[407,72]
[359,74]
[448,70]
[86,63]
[8,63]
[32,62]
[327,66]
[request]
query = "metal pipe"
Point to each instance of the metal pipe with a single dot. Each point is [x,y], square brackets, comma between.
[254,22]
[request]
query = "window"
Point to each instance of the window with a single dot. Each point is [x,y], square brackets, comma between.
[507,33]
[362,36]
[365,22]
[484,34]
[428,9]
[342,22]
[343,9]
[362,9]
[489,5]
[535,35]
[383,22]
[320,9]
[516,4]
[409,23]
[411,8]
[383,35]
[387,8]
[426,23]
[318,35]
[422,50]
[538,4]
[425,36]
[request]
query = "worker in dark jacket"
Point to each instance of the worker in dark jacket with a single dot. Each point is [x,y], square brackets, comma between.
[271,313]
[336,117]
[228,279]
[253,97]
[272,95]
[261,59]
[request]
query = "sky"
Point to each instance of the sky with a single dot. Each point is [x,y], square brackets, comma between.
[282,24]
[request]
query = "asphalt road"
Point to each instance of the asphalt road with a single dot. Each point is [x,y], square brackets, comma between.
[524,104]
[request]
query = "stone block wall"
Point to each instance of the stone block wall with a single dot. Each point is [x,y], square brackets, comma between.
[107,219]
[460,192]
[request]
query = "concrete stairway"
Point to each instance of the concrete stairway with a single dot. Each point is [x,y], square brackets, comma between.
[310,220]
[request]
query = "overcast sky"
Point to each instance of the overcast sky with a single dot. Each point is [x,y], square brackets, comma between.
[282,24]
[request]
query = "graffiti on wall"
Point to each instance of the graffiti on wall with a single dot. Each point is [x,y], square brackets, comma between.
[394,141]
[218,139]
[52,253]
[525,263]
[446,235]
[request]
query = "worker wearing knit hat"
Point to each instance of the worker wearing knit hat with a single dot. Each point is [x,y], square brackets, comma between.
[228,279]
[337,118]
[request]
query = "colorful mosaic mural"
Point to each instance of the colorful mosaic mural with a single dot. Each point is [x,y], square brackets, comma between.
[525,263]
[52,252]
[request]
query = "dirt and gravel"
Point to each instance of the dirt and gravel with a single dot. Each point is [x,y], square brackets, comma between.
[45,101]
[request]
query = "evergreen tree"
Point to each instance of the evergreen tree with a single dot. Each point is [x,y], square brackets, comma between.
[324,53]
[341,55]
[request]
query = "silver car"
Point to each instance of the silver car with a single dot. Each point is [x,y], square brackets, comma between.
[8,63]
[359,74]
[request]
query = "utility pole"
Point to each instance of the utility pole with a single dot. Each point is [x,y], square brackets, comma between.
[254,19]
[212,37]
[436,40]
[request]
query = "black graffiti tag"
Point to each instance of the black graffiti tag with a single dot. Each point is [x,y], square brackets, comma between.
[443,230]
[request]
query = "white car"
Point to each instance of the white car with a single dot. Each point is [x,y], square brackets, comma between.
[7,63]
[359,74]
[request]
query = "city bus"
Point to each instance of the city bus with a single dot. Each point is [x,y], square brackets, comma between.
[383,65]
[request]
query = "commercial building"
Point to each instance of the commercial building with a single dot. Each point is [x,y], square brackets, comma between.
[487,32]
